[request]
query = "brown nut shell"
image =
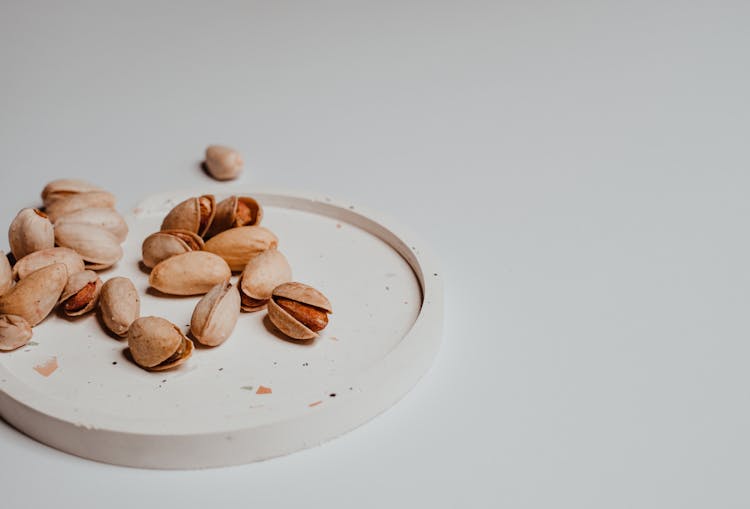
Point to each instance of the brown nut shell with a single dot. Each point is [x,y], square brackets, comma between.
[234,212]
[15,332]
[223,163]
[99,248]
[64,188]
[75,202]
[215,316]
[262,274]
[238,245]
[193,273]
[306,306]
[119,305]
[35,296]
[6,274]
[30,231]
[162,245]
[46,257]
[194,215]
[157,344]
[81,293]
[103,217]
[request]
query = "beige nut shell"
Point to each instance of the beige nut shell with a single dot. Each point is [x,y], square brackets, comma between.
[119,305]
[262,274]
[162,245]
[64,188]
[225,217]
[76,283]
[301,293]
[238,245]
[46,257]
[6,274]
[30,231]
[99,248]
[15,332]
[152,340]
[72,203]
[35,296]
[103,217]
[187,216]
[193,273]
[223,163]
[215,316]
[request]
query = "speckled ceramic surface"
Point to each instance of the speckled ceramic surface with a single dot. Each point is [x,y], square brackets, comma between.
[258,395]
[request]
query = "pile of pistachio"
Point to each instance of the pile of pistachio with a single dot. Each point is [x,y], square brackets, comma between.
[57,250]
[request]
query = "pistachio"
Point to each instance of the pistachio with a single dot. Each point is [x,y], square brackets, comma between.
[216,315]
[194,215]
[75,202]
[81,293]
[192,273]
[157,344]
[298,310]
[99,248]
[15,332]
[36,295]
[223,163]
[6,274]
[30,231]
[262,274]
[38,259]
[64,188]
[103,217]
[119,305]
[238,245]
[162,245]
[234,212]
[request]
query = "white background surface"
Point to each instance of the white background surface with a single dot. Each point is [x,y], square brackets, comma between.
[580,167]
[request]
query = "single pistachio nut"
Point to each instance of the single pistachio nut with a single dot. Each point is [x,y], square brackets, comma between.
[157,344]
[35,296]
[238,245]
[193,273]
[6,274]
[162,245]
[194,215]
[119,305]
[103,217]
[298,310]
[46,257]
[262,274]
[75,202]
[64,188]
[234,212]
[15,332]
[99,248]
[30,231]
[223,163]
[216,315]
[81,293]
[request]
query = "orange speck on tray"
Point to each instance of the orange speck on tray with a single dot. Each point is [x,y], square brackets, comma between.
[47,368]
[334,338]
[263,390]
[315,404]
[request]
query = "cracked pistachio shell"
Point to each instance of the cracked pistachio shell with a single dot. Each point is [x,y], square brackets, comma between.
[234,212]
[103,217]
[85,301]
[35,296]
[46,257]
[223,163]
[303,294]
[162,245]
[189,215]
[64,188]
[193,273]
[98,247]
[216,315]
[75,202]
[238,245]
[262,274]
[30,231]
[119,305]
[6,274]
[157,344]
[15,332]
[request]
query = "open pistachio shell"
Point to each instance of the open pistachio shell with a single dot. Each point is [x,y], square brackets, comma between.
[6,274]
[64,188]
[81,293]
[216,315]
[194,215]
[223,163]
[157,344]
[193,273]
[103,217]
[234,212]
[262,274]
[38,259]
[294,306]
[15,332]
[70,204]
[238,245]
[162,245]
[99,248]
[36,295]
[119,305]
[30,231]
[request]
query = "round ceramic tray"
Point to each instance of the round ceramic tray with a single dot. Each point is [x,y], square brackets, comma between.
[257,395]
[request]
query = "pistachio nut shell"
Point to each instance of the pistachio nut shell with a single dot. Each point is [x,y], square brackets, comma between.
[216,315]
[36,295]
[303,293]
[234,212]
[30,231]
[6,274]
[86,301]
[223,163]
[119,305]
[262,274]
[103,217]
[153,340]
[287,324]
[72,203]
[38,259]
[15,332]
[99,248]
[63,188]
[162,245]
[193,273]
[238,245]
[187,215]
